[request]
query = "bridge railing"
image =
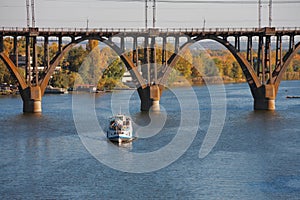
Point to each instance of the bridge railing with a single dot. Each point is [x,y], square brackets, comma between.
[288,28]
[142,30]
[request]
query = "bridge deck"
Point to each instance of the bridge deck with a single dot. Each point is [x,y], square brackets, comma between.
[106,32]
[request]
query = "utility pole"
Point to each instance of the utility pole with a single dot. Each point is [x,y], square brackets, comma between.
[270,13]
[28,14]
[146,14]
[259,13]
[32,14]
[154,13]
[87,24]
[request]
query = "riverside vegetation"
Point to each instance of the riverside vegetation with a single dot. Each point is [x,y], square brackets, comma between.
[91,64]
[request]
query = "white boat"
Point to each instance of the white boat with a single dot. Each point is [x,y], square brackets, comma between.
[55,90]
[120,129]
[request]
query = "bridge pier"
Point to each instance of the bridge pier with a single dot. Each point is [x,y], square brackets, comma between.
[150,97]
[32,100]
[32,106]
[264,98]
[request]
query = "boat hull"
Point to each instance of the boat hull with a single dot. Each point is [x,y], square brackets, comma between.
[120,129]
[119,138]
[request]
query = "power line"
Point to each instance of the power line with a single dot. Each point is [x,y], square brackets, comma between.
[206,2]
[226,2]
[191,1]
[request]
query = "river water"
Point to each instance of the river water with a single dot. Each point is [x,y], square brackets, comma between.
[255,156]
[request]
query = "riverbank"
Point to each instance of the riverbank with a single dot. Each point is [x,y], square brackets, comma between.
[9,92]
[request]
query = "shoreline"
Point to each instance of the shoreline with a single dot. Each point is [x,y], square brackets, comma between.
[174,85]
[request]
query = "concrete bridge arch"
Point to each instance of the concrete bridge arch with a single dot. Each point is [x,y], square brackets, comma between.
[282,68]
[13,70]
[264,94]
[128,63]
[247,69]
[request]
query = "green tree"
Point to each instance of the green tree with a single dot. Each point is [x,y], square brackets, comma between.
[197,69]
[5,76]
[74,77]
[91,45]
[236,72]
[185,63]
[60,79]
[210,68]
[228,61]
[92,67]
[75,58]
[219,64]
[112,75]
[115,70]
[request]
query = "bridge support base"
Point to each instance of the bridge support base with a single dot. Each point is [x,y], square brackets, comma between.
[32,100]
[150,98]
[265,98]
[264,104]
[155,106]
[32,106]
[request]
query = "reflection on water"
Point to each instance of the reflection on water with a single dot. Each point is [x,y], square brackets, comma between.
[256,156]
[124,145]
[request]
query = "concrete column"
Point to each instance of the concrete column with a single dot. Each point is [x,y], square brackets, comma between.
[264,98]
[1,44]
[28,64]
[135,50]
[153,61]
[150,97]
[32,100]
[164,47]
[144,67]
[259,56]
[60,44]
[16,51]
[155,94]
[264,104]
[146,102]
[34,61]
[32,106]
[176,45]
[122,47]
[46,53]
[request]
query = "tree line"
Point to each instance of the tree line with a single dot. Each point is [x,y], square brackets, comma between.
[90,64]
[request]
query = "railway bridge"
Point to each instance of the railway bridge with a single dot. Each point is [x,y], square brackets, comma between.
[261,72]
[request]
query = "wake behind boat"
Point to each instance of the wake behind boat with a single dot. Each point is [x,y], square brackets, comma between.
[120,129]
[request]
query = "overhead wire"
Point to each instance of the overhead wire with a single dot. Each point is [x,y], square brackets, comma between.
[192,1]
[210,2]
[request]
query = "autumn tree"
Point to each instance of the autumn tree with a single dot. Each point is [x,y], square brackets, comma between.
[112,75]
[185,63]
[75,58]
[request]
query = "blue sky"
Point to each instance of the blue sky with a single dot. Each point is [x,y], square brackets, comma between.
[127,13]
